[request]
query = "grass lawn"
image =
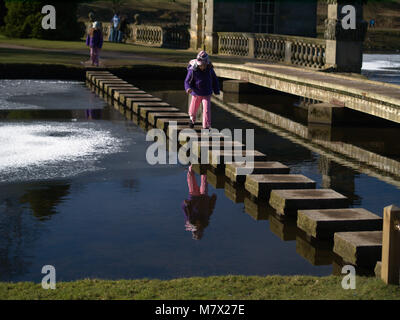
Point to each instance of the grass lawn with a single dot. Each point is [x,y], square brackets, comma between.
[221,287]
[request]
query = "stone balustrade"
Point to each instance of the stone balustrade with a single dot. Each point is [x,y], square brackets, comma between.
[157,36]
[300,51]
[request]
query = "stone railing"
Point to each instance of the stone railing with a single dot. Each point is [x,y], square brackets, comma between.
[236,44]
[157,36]
[301,51]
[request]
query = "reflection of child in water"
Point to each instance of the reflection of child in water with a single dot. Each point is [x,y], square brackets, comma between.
[199,207]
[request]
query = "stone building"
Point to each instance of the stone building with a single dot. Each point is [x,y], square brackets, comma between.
[288,17]
[341,49]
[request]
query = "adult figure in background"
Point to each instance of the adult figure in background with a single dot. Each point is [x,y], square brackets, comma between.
[122,30]
[115,21]
[199,206]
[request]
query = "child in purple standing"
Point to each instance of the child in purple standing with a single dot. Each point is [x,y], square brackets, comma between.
[95,41]
[201,81]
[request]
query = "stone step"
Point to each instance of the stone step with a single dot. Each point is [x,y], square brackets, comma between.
[218,158]
[202,136]
[94,77]
[153,117]
[135,106]
[284,229]
[323,223]
[144,111]
[216,180]
[111,88]
[255,210]
[121,95]
[316,255]
[101,83]
[179,128]
[202,148]
[362,248]
[260,185]
[236,195]
[287,202]
[237,172]
[163,123]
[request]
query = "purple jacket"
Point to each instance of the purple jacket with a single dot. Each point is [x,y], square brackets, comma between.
[96,41]
[203,83]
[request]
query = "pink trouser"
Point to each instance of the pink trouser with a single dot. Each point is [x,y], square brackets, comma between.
[194,189]
[194,106]
[94,55]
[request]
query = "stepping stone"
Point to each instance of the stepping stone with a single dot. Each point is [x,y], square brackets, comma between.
[94,77]
[216,180]
[135,106]
[316,255]
[237,172]
[218,158]
[202,148]
[255,210]
[260,185]
[120,95]
[153,117]
[101,83]
[285,229]
[163,123]
[202,136]
[323,223]
[363,248]
[287,202]
[200,169]
[124,96]
[145,110]
[179,128]
[234,194]
[111,88]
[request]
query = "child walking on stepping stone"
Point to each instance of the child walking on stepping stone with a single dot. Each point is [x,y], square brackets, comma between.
[201,81]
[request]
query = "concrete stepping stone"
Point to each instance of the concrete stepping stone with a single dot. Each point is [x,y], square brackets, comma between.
[260,185]
[146,110]
[255,210]
[218,158]
[287,202]
[101,83]
[235,171]
[316,255]
[110,88]
[206,146]
[216,180]
[200,168]
[154,116]
[284,229]
[362,248]
[202,136]
[94,77]
[163,123]
[179,128]
[121,95]
[234,194]
[135,106]
[323,223]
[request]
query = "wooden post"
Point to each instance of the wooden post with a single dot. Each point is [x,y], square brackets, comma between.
[391,245]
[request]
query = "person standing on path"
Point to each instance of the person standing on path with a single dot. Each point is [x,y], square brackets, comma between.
[95,41]
[201,81]
[115,21]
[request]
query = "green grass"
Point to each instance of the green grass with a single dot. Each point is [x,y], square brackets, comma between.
[221,287]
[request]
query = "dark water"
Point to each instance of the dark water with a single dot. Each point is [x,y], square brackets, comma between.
[77,193]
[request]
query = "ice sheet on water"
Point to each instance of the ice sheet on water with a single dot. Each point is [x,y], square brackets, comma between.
[46,94]
[46,150]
